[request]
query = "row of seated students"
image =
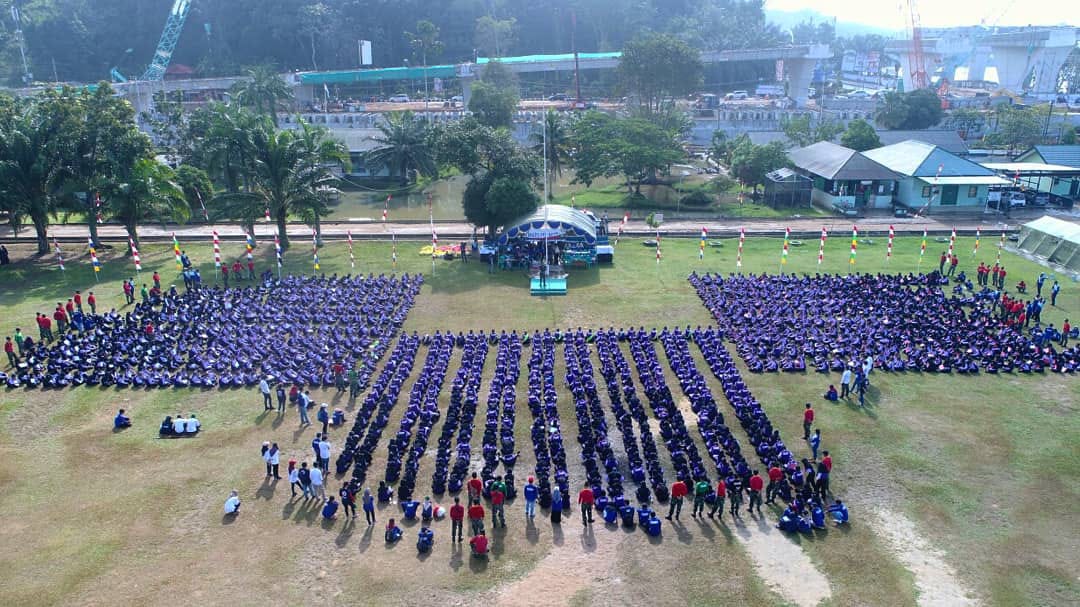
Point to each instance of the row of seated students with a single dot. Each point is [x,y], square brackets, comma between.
[180,426]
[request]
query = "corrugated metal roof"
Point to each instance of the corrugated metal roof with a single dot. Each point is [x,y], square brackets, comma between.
[950,141]
[838,163]
[546,58]
[377,75]
[1067,155]
[1058,228]
[1033,167]
[921,159]
[967,180]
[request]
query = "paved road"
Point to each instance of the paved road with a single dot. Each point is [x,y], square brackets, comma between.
[800,227]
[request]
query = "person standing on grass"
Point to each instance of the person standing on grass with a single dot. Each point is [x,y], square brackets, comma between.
[827,461]
[294,478]
[264,389]
[475,487]
[92,301]
[354,383]
[1065,328]
[348,499]
[78,300]
[807,421]
[457,518]
[776,475]
[368,503]
[324,454]
[586,499]
[556,506]
[845,379]
[498,511]
[237,271]
[756,485]
[531,493]
[735,489]
[678,492]
[1039,284]
[301,408]
[476,518]
[701,491]
[265,455]
[273,461]
[821,481]
[861,387]
[9,349]
[718,504]
[225,274]
[1054,290]
[815,442]
[280,390]
[315,449]
[317,488]
[20,341]
[323,416]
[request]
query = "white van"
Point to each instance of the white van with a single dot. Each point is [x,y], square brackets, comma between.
[399,99]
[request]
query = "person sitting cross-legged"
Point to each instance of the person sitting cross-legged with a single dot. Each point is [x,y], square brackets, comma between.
[121,421]
[839,513]
[393,532]
[479,545]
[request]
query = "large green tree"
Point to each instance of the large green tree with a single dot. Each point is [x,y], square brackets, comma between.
[147,192]
[425,43]
[264,91]
[914,110]
[750,163]
[656,66]
[554,146]
[635,148]
[1018,127]
[860,136]
[803,131]
[404,147]
[31,171]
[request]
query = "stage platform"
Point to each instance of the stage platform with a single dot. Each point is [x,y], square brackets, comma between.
[555,286]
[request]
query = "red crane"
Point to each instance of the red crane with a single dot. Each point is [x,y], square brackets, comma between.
[916,61]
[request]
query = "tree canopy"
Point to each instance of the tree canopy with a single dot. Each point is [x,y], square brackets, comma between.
[656,66]
[860,136]
[914,110]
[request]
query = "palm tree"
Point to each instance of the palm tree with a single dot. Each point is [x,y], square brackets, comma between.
[556,148]
[30,173]
[404,147]
[288,171]
[262,90]
[149,192]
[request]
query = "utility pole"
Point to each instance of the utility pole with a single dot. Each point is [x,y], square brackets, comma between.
[577,71]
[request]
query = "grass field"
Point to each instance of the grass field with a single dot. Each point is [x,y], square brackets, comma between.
[984,467]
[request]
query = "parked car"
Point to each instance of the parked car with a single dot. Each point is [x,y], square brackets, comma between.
[737,95]
[399,98]
[558,97]
[1017,199]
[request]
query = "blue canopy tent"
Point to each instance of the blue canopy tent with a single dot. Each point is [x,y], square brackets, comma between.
[561,234]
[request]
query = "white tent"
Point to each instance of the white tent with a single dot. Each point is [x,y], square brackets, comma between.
[1053,239]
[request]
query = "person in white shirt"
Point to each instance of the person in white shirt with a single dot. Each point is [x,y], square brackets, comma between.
[193,425]
[845,381]
[324,454]
[273,459]
[179,424]
[232,505]
[264,388]
[317,482]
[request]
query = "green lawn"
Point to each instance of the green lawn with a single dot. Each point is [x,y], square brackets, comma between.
[985,466]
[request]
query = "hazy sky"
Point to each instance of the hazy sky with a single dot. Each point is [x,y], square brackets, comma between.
[940,13]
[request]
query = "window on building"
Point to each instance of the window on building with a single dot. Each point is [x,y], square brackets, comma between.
[926,191]
[973,191]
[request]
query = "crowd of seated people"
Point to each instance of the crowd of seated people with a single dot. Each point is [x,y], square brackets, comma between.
[423,409]
[620,383]
[904,322]
[498,444]
[546,431]
[292,331]
[460,413]
[596,450]
[179,426]
[373,414]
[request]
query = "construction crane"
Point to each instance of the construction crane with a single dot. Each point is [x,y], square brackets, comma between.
[916,61]
[174,25]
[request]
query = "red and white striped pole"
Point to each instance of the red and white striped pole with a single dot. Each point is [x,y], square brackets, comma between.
[742,239]
[821,246]
[217,249]
[135,254]
[888,250]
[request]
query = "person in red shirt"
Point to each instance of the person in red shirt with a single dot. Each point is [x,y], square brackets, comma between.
[497,510]
[60,318]
[775,476]
[251,269]
[827,461]
[721,496]
[457,519]
[807,421]
[236,269]
[678,492]
[78,300]
[1065,328]
[149,329]
[1001,278]
[479,544]
[586,498]
[157,279]
[9,349]
[476,518]
[756,485]
[93,302]
[69,307]
[225,273]
[475,487]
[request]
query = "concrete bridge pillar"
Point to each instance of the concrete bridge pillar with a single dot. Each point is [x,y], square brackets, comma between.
[800,72]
